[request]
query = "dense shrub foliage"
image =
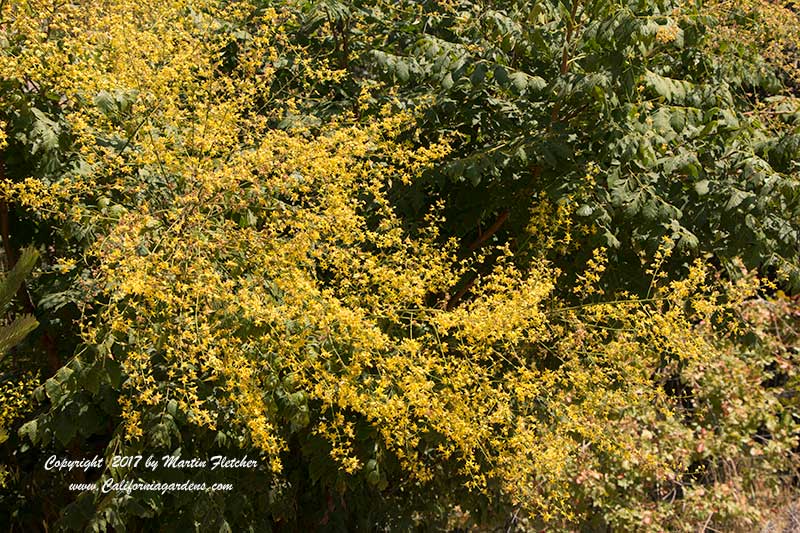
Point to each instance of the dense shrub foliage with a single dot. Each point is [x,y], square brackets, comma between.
[434,265]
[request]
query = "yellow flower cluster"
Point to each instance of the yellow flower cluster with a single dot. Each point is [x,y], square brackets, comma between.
[551,226]
[588,283]
[667,33]
[260,279]
[770,28]
[15,400]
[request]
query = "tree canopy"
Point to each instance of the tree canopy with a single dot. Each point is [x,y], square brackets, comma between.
[445,264]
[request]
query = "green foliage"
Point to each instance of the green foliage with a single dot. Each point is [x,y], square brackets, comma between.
[13,392]
[13,333]
[534,94]
[431,263]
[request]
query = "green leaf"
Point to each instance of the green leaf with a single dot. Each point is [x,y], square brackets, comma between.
[53,389]
[64,427]
[536,83]
[160,436]
[105,101]
[519,80]
[478,75]
[736,198]
[115,375]
[501,75]
[30,429]
[402,71]
[45,132]
[13,280]
[15,332]
[447,81]
[670,89]
[611,240]
[90,379]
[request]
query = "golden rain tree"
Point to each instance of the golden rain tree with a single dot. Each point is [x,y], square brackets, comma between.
[238,279]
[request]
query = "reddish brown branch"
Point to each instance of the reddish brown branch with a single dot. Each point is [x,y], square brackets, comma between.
[491,230]
[453,301]
[482,238]
[564,68]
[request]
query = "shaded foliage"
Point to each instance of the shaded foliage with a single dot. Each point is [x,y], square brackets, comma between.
[433,264]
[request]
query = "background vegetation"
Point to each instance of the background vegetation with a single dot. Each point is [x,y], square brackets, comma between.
[437,265]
